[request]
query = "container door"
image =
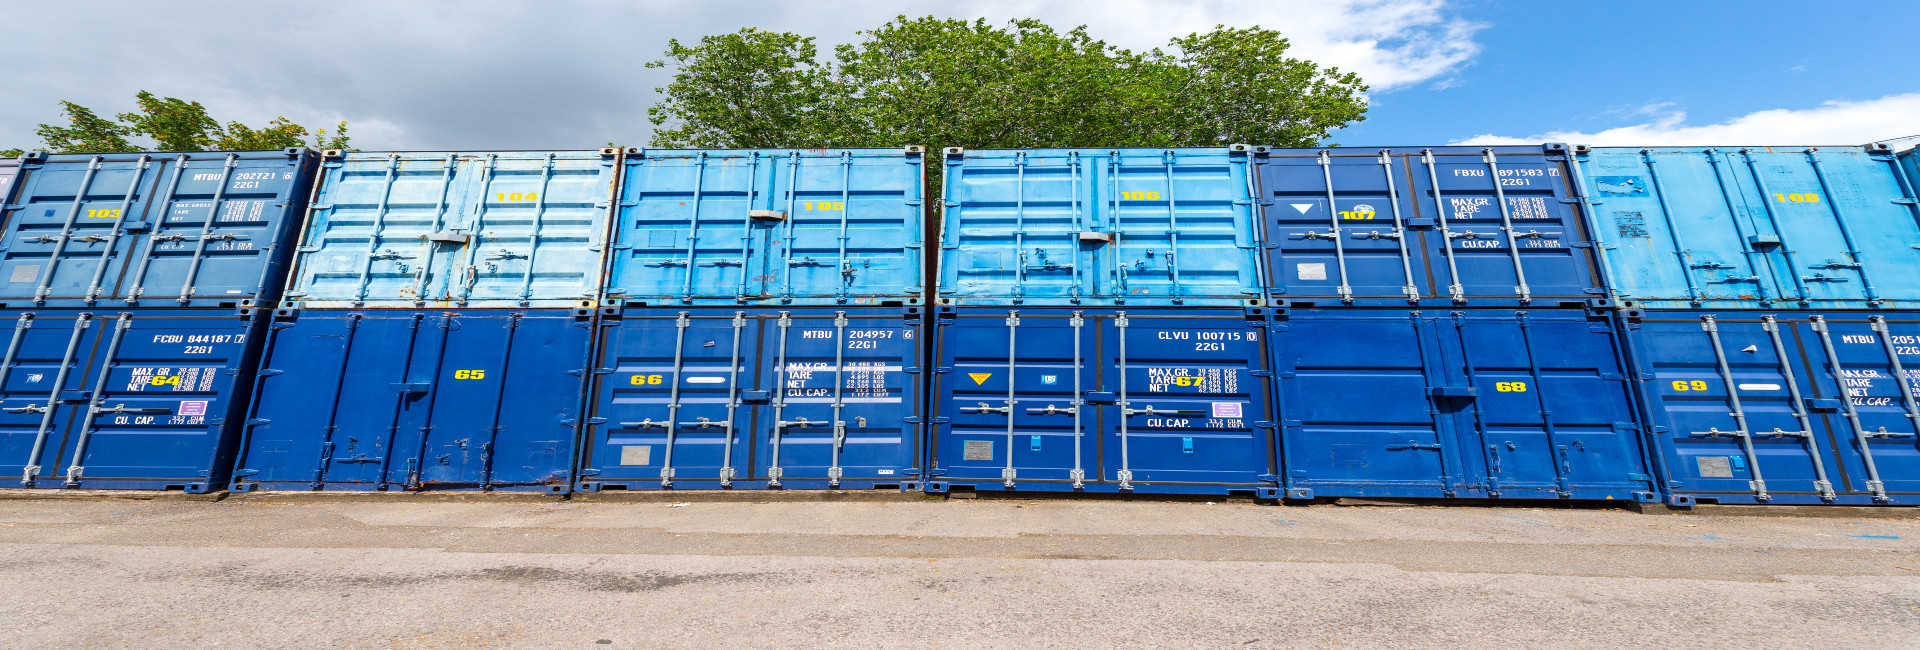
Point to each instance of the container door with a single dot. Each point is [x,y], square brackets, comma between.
[672,405]
[1337,227]
[374,227]
[503,404]
[1844,240]
[1550,414]
[211,239]
[1017,398]
[44,379]
[1875,425]
[1188,391]
[688,228]
[1022,225]
[1675,229]
[1737,402]
[532,229]
[845,406]
[1511,241]
[67,231]
[1185,233]
[1363,400]
[852,225]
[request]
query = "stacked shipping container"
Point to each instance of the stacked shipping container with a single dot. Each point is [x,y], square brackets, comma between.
[438,324]
[1768,302]
[762,325]
[134,283]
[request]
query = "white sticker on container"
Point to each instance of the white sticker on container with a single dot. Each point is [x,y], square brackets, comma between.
[1226,410]
[706,380]
[192,408]
[1759,387]
[636,454]
[1313,271]
[886,472]
[25,273]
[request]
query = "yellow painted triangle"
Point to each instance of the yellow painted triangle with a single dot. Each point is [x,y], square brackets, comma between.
[979,377]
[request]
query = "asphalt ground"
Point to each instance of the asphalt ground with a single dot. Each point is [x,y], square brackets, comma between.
[295,571]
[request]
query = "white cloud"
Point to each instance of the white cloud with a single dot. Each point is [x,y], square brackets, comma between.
[1834,122]
[503,74]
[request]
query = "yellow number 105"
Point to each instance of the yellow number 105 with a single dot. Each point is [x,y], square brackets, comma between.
[1689,385]
[469,374]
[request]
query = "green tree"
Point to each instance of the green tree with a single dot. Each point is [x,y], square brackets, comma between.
[944,82]
[173,124]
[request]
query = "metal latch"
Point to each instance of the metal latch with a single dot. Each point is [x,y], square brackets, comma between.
[1091,237]
[450,237]
[755,397]
[767,215]
[1100,398]
[1453,391]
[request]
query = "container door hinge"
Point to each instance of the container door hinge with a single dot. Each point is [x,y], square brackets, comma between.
[1263,425]
[1639,477]
[1285,374]
[269,372]
[912,419]
[603,371]
[258,421]
[245,473]
[596,420]
[942,370]
[588,472]
[941,419]
[1905,201]
[1261,373]
[911,370]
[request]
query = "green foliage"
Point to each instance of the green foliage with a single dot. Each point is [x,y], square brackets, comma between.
[943,82]
[177,125]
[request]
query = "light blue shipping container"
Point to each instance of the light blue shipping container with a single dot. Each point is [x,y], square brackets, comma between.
[769,227]
[1146,227]
[444,229]
[1754,227]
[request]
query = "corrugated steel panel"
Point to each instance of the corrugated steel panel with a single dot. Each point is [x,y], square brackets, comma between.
[1066,227]
[133,229]
[1172,401]
[1467,404]
[810,398]
[1755,227]
[390,399]
[456,229]
[1425,226]
[1782,407]
[769,227]
[144,399]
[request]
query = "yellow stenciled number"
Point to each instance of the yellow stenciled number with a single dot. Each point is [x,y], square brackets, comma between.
[1511,386]
[469,374]
[1346,214]
[164,381]
[1796,198]
[104,213]
[645,380]
[517,196]
[1186,381]
[1139,196]
[825,205]
[1683,385]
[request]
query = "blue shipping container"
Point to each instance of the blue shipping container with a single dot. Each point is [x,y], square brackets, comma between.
[1464,404]
[1431,226]
[1067,227]
[456,229]
[1755,227]
[718,398]
[146,399]
[769,227]
[199,229]
[392,399]
[9,169]
[1171,401]
[1782,407]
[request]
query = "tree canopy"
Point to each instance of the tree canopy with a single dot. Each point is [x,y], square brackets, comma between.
[171,124]
[945,82]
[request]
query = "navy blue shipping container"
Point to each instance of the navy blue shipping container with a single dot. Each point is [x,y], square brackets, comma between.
[769,227]
[1755,227]
[148,399]
[1425,226]
[451,229]
[1782,407]
[1093,227]
[1168,401]
[393,399]
[1490,403]
[198,229]
[810,398]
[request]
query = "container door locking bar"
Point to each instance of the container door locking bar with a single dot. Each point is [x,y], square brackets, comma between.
[1860,436]
[1007,474]
[780,423]
[1454,289]
[673,395]
[533,231]
[1759,482]
[1399,229]
[839,367]
[733,392]
[1506,226]
[120,327]
[1680,251]
[113,234]
[435,234]
[1773,221]
[1333,217]
[32,467]
[1820,483]
[45,285]
[145,259]
[206,230]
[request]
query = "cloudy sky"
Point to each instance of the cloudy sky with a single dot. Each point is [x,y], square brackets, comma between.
[562,74]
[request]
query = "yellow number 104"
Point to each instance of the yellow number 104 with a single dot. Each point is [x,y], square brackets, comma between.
[517,196]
